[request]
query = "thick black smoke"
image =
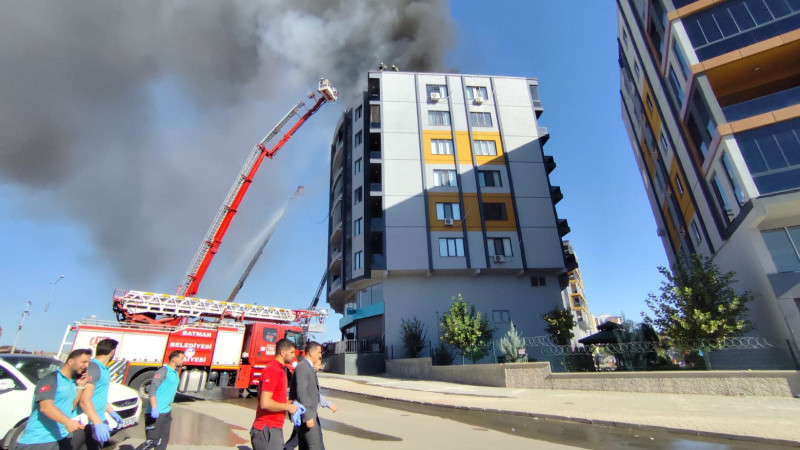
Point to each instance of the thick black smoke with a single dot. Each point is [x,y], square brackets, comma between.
[110,110]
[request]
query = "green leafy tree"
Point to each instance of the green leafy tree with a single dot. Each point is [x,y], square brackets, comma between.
[697,302]
[465,329]
[511,344]
[560,323]
[413,334]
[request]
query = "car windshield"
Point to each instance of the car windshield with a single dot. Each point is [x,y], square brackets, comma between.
[34,368]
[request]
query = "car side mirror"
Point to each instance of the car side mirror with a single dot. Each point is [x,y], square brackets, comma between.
[7,385]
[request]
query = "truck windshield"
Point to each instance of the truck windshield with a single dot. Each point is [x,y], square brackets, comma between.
[270,335]
[295,337]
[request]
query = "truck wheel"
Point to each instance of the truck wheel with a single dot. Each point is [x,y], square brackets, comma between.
[141,384]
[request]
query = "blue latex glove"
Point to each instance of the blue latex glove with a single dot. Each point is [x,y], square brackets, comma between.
[154,413]
[101,433]
[297,417]
[116,418]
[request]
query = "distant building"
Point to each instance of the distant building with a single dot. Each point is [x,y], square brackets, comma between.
[711,100]
[439,186]
[603,318]
[574,298]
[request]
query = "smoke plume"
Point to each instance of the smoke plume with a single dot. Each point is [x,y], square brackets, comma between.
[131,118]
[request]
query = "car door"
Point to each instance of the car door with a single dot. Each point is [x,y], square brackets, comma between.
[15,402]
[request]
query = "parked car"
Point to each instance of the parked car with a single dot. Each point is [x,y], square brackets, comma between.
[18,377]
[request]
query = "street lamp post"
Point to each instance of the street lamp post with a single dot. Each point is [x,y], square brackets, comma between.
[19,330]
[50,296]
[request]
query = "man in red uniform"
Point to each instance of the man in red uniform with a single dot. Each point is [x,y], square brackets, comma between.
[267,431]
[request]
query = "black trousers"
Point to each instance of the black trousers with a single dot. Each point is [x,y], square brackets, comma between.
[157,431]
[294,439]
[310,438]
[84,439]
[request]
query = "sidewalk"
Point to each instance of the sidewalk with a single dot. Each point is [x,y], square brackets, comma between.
[761,419]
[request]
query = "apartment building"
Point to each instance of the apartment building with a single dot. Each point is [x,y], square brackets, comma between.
[574,297]
[711,100]
[439,186]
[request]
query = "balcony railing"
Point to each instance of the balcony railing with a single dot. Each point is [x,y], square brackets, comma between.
[372,345]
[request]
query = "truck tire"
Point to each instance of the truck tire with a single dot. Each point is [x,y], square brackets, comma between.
[141,384]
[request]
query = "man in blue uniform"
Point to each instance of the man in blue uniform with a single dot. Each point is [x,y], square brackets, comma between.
[94,399]
[158,419]
[54,402]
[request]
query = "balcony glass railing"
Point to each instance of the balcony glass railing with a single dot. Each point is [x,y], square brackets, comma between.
[762,105]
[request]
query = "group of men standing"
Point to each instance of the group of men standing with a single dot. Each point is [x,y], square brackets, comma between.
[281,392]
[82,385]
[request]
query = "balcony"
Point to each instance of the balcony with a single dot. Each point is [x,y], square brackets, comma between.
[375,188]
[378,262]
[555,194]
[544,135]
[549,163]
[374,155]
[377,223]
[563,227]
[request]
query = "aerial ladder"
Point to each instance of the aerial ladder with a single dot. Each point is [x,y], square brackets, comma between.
[173,310]
[213,237]
[307,324]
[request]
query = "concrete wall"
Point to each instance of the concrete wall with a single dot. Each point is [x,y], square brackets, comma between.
[537,375]
[355,364]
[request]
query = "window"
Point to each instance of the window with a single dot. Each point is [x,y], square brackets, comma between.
[480,119]
[477,92]
[359,112]
[359,138]
[449,247]
[772,154]
[696,236]
[358,195]
[357,227]
[501,316]
[681,60]
[662,143]
[270,335]
[499,246]
[439,118]
[737,189]
[448,211]
[538,282]
[783,245]
[625,37]
[442,146]
[444,177]
[678,184]
[358,260]
[375,116]
[436,89]
[494,211]
[576,302]
[677,90]
[489,178]
[649,103]
[485,148]
[722,200]
[636,69]
[357,167]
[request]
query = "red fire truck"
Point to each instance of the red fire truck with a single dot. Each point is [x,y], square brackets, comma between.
[226,344]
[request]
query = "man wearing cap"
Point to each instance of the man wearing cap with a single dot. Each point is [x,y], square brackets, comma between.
[54,402]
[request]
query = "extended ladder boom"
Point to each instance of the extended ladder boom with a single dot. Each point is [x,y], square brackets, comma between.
[215,233]
[138,306]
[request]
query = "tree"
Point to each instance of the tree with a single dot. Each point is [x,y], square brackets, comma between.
[413,335]
[697,302]
[560,323]
[465,329]
[511,344]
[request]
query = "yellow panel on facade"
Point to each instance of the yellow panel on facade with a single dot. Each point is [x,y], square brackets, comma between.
[464,148]
[430,158]
[684,199]
[673,233]
[472,212]
[650,110]
[500,225]
[438,224]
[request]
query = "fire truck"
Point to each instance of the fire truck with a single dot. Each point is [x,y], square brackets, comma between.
[226,344]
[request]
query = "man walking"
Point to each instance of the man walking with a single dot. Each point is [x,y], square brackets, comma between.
[94,399]
[305,389]
[54,400]
[291,444]
[158,418]
[267,431]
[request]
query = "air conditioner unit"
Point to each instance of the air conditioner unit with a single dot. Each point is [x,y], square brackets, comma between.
[435,96]
[499,258]
[479,100]
[449,222]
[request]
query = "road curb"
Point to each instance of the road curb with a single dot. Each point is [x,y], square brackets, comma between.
[582,420]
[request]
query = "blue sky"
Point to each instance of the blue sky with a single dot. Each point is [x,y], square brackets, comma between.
[570,47]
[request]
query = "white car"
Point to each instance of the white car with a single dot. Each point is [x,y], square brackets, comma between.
[18,377]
